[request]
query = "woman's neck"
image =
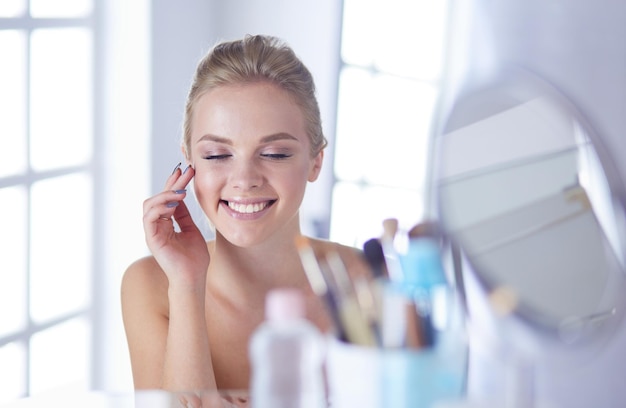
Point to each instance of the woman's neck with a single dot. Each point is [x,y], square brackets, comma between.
[252,271]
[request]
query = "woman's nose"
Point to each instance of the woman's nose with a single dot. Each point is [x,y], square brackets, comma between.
[246,175]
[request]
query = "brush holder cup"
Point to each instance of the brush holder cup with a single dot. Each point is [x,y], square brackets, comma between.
[369,377]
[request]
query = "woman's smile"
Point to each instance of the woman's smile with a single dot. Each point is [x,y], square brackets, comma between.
[241,209]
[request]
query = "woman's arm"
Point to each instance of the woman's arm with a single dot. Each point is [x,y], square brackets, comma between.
[167,352]
[164,297]
[145,314]
[187,364]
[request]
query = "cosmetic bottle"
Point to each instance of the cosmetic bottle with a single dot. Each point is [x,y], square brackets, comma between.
[432,367]
[287,355]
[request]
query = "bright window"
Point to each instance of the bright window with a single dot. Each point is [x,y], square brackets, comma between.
[61,96]
[47,179]
[13,102]
[12,8]
[392,55]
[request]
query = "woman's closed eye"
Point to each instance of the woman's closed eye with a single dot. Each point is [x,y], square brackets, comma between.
[217,156]
[276,156]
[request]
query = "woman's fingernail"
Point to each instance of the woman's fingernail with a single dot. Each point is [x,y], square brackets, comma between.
[180,191]
[172,204]
[187,168]
[176,168]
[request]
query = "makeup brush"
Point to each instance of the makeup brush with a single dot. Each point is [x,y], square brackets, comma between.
[319,283]
[392,260]
[356,308]
[390,228]
[375,257]
[424,229]
[416,336]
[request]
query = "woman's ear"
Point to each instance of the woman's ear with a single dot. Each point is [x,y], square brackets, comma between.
[316,166]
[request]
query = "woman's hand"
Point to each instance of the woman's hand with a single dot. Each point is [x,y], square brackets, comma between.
[183,255]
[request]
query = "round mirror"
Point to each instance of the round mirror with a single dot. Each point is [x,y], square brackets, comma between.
[526,191]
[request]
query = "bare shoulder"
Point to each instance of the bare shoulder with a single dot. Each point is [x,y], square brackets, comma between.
[324,246]
[145,313]
[352,257]
[144,280]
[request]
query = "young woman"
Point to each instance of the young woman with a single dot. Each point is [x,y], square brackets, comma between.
[252,141]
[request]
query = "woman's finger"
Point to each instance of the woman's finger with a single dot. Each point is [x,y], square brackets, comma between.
[166,202]
[183,218]
[161,208]
[179,178]
[173,176]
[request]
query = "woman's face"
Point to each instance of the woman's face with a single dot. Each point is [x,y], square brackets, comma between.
[252,160]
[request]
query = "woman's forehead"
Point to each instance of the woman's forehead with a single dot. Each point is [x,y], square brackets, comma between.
[258,108]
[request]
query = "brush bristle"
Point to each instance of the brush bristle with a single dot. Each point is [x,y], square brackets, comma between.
[375,257]
[374,251]
[424,229]
[390,227]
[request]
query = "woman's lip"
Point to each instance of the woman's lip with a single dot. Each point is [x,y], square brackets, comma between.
[246,201]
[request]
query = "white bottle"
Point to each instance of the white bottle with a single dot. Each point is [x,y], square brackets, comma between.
[287,355]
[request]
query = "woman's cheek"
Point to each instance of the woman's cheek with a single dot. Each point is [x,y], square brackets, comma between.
[203,189]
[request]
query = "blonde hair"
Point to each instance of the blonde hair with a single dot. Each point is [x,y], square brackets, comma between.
[251,59]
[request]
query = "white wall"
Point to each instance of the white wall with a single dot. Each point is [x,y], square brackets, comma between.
[123,48]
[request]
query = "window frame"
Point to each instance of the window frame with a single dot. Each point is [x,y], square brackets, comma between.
[92,168]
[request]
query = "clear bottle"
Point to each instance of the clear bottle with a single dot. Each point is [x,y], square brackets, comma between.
[287,355]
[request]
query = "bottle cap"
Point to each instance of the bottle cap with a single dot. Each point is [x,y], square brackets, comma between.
[284,304]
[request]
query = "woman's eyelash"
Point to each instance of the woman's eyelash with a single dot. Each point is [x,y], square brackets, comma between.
[216,156]
[272,156]
[276,156]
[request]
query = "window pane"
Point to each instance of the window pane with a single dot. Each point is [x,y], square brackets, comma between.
[357,37]
[408,39]
[411,42]
[59,357]
[12,102]
[60,8]
[13,261]
[399,131]
[353,142]
[61,98]
[12,372]
[60,258]
[12,8]
[382,129]
[354,224]
[388,90]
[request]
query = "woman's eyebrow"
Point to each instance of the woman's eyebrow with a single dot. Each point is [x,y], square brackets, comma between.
[278,136]
[265,139]
[213,138]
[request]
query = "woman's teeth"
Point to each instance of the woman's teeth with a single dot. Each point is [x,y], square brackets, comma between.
[247,208]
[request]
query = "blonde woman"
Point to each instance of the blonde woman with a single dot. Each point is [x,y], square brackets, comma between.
[252,141]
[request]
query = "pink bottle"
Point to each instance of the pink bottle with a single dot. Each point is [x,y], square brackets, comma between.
[287,355]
